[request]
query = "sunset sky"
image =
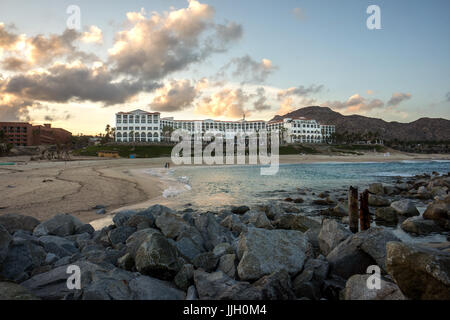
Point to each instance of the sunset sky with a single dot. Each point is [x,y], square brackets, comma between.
[220,59]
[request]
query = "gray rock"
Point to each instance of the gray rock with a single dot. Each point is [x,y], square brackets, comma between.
[240,209]
[171,224]
[101,211]
[359,251]
[272,210]
[376,188]
[378,201]
[85,228]
[331,235]
[405,208]
[188,248]
[111,285]
[136,239]
[120,234]
[147,288]
[227,264]
[259,219]
[233,223]
[387,214]
[263,252]
[356,289]
[191,293]
[21,259]
[5,240]
[60,225]
[13,222]
[212,232]
[421,273]
[58,246]
[276,286]
[121,218]
[437,210]
[308,283]
[184,277]
[157,257]
[223,248]
[13,291]
[420,226]
[51,258]
[207,261]
[126,262]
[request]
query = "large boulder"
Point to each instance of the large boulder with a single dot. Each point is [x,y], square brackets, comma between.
[171,224]
[356,289]
[227,264]
[240,209]
[262,252]
[147,288]
[59,246]
[211,231]
[356,253]
[420,226]
[5,240]
[378,201]
[259,219]
[420,272]
[157,257]
[110,285]
[376,188]
[234,223]
[308,283]
[437,210]
[331,235]
[120,235]
[13,222]
[276,286]
[13,291]
[405,208]
[122,218]
[60,225]
[386,214]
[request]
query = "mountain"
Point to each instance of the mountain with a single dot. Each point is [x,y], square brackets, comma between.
[423,129]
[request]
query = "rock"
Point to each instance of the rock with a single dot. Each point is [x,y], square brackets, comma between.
[276,286]
[21,259]
[390,190]
[340,210]
[308,283]
[120,234]
[332,287]
[233,223]
[52,285]
[356,253]
[140,221]
[387,214]
[136,239]
[422,193]
[223,248]
[263,252]
[171,224]
[207,261]
[421,273]
[58,246]
[60,225]
[13,222]
[436,192]
[51,258]
[13,291]
[378,201]
[287,207]
[85,228]
[405,208]
[240,209]
[147,288]
[356,289]
[184,277]
[227,264]
[312,235]
[437,210]
[217,286]
[188,248]
[121,218]
[376,188]
[259,219]
[420,226]
[298,200]
[5,240]
[126,262]
[211,231]
[112,285]
[331,235]
[156,257]
[272,210]
[191,293]
[101,211]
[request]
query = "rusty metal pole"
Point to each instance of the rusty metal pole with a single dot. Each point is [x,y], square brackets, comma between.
[353,209]
[364,213]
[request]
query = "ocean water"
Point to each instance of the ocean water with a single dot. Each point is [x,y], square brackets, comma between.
[213,186]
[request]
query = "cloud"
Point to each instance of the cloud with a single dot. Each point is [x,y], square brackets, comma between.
[153,47]
[355,103]
[261,103]
[300,91]
[63,83]
[13,108]
[286,106]
[94,35]
[174,96]
[299,14]
[249,70]
[370,92]
[227,102]
[397,98]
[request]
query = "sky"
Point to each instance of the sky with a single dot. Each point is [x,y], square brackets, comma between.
[221,59]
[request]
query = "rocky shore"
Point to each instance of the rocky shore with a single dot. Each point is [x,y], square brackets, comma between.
[270,251]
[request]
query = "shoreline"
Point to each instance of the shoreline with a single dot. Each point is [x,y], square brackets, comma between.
[75,187]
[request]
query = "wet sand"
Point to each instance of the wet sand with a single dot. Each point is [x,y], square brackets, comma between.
[43,189]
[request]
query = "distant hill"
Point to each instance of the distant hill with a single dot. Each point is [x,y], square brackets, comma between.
[423,129]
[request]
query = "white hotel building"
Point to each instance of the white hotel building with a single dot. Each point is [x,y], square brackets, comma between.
[142,126]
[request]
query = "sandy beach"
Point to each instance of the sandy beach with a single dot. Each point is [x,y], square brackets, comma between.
[43,189]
